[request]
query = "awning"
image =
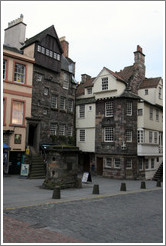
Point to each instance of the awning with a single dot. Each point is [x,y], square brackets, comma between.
[5,146]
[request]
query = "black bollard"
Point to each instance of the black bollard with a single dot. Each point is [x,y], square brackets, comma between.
[56,193]
[143,185]
[158,183]
[95,189]
[123,187]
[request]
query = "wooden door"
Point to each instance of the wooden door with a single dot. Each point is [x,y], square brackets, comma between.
[99,166]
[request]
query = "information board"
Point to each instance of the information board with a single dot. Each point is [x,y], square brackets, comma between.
[86,177]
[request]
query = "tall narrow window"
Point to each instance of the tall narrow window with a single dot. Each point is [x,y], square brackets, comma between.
[157,115]
[4,69]
[160,91]
[152,163]
[19,73]
[17,113]
[128,136]
[140,136]
[53,129]
[109,109]
[150,136]
[104,83]
[117,162]
[70,105]
[66,81]
[155,137]
[62,103]
[70,131]
[129,108]
[129,163]
[146,163]
[82,111]
[54,102]
[82,135]
[62,130]
[151,113]
[108,134]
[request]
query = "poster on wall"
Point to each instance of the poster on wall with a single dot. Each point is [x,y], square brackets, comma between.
[24,169]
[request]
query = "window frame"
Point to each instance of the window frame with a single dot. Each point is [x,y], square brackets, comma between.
[62,105]
[24,75]
[108,138]
[82,111]
[129,136]
[12,112]
[53,127]
[82,136]
[62,130]
[129,163]
[54,103]
[129,108]
[5,69]
[109,109]
[115,163]
[104,85]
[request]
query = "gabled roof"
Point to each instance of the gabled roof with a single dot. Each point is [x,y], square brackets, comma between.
[38,37]
[115,75]
[150,83]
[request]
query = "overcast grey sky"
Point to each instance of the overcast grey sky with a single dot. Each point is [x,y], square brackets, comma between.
[100,33]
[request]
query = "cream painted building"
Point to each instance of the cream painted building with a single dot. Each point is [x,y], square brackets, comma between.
[150,126]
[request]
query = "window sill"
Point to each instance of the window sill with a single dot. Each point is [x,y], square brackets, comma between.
[16,125]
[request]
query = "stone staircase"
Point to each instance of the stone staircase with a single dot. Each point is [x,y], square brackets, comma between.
[159,173]
[37,168]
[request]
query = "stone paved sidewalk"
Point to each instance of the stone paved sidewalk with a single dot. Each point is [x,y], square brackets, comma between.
[16,231]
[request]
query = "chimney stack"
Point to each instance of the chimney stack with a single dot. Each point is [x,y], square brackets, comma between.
[15,33]
[139,61]
[65,46]
[85,77]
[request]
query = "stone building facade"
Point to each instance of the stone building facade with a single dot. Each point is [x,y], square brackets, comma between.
[53,93]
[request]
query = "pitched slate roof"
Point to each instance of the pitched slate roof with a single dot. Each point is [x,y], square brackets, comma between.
[81,86]
[38,37]
[126,73]
[150,83]
[117,76]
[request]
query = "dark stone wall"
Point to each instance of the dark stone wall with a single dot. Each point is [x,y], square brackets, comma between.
[120,123]
[41,104]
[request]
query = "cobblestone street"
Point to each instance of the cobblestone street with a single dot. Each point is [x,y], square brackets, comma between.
[135,217]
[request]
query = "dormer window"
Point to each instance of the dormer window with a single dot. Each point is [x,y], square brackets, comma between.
[104,83]
[146,91]
[89,90]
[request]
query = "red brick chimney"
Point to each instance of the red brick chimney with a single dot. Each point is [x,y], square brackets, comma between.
[65,46]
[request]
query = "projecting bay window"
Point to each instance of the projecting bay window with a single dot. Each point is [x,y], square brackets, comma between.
[18,108]
[109,109]
[108,134]
[19,73]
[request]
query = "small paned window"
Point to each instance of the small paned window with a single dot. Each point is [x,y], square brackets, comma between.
[128,136]
[19,73]
[62,129]
[157,115]
[117,162]
[104,83]
[108,162]
[65,81]
[70,131]
[155,137]
[89,90]
[82,111]
[55,55]
[109,109]
[47,52]
[129,164]
[39,48]
[146,91]
[62,103]
[82,135]
[53,129]
[54,101]
[140,136]
[160,93]
[58,57]
[140,164]
[51,53]
[108,134]
[4,69]
[43,50]
[70,105]
[129,108]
